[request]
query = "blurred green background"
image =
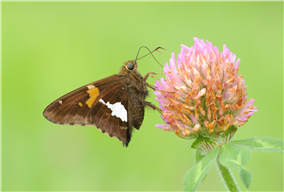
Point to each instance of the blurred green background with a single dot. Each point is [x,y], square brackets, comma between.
[51,48]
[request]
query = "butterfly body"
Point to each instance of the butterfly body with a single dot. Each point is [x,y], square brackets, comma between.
[114,104]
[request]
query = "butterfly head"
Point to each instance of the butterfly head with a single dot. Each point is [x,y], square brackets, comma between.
[130,65]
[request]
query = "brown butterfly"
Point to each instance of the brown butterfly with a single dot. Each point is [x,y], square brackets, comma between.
[114,104]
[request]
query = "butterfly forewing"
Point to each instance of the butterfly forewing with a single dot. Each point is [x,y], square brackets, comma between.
[68,109]
[103,104]
[72,108]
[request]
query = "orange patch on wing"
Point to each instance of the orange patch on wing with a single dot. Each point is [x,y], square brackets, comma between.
[93,93]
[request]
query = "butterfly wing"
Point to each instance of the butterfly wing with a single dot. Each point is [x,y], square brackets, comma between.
[110,112]
[103,104]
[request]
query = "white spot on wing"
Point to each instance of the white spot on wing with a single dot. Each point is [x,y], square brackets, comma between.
[60,102]
[117,109]
[102,101]
[91,87]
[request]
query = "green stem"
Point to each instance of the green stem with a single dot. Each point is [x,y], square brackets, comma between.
[227,177]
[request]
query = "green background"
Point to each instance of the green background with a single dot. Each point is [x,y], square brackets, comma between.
[51,48]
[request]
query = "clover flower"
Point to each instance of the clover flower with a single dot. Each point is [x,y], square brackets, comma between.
[203,95]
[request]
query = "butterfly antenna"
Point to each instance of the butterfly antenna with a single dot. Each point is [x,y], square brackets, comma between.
[150,52]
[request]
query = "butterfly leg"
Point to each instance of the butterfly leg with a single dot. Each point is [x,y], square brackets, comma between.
[151,74]
[153,106]
[150,86]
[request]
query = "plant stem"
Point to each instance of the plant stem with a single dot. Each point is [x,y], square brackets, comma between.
[227,177]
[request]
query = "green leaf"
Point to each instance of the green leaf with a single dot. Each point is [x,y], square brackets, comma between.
[227,177]
[195,175]
[246,176]
[234,156]
[198,155]
[262,144]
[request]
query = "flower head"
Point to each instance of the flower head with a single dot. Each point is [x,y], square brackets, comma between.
[203,93]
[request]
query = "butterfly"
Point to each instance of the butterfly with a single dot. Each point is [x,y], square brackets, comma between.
[114,104]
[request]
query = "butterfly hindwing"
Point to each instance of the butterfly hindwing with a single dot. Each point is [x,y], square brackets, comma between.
[110,112]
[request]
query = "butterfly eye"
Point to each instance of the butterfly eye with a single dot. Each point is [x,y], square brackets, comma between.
[130,66]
